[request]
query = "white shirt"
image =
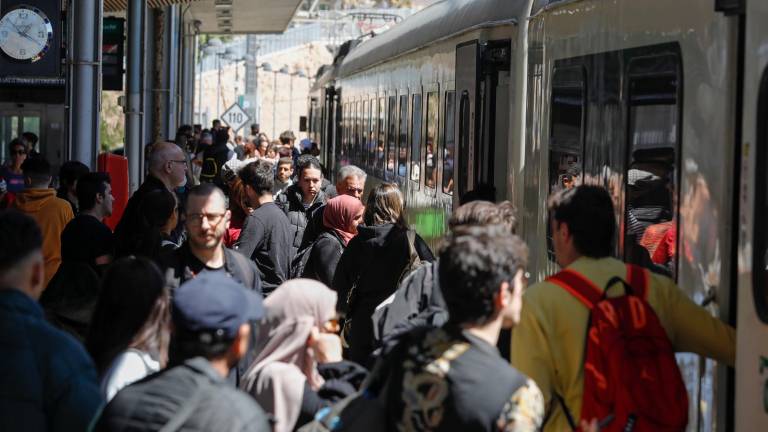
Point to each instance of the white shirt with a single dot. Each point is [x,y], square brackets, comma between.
[128,367]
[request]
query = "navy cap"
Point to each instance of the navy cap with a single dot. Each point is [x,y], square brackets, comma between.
[214,302]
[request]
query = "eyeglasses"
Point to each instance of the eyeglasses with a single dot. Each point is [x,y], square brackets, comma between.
[197,218]
[178,161]
[18,152]
[354,190]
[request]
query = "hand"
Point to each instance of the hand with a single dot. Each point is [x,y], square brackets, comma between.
[327,346]
[589,426]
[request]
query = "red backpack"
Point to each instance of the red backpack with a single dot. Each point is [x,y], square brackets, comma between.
[631,378]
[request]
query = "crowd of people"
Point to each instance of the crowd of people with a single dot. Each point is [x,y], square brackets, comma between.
[241,291]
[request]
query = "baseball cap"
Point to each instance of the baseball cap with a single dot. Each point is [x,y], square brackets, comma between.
[214,303]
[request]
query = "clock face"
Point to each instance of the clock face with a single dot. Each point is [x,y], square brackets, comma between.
[25,34]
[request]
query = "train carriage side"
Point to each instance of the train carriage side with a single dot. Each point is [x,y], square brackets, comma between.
[752,349]
[640,97]
[432,113]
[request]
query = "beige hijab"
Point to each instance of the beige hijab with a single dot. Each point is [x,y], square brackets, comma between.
[284,361]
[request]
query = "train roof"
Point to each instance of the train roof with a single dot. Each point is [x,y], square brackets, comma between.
[432,24]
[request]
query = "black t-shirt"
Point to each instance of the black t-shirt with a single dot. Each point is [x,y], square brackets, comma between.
[267,238]
[86,238]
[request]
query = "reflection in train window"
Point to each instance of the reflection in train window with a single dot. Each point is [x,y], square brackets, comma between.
[430,157]
[358,154]
[382,134]
[566,142]
[366,132]
[344,130]
[371,134]
[464,143]
[449,146]
[650,236]
[416,139]
[402,142]
[391,132]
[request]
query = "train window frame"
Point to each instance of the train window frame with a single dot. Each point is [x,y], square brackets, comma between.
[381,129]
[402,135]
[431,91]
[443,142]
[415,145]
[650,68]
[760,231]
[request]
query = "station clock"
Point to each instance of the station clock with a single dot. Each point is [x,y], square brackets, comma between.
[26,33]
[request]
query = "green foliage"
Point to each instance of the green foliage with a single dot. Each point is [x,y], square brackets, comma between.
[111,127]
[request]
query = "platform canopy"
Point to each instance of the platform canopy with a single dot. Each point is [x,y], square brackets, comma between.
[229,16]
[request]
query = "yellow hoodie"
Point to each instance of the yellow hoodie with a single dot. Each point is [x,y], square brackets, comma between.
[52,215]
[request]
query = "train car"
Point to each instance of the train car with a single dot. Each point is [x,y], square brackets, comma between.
[528,97]
[752,258]
[401,92]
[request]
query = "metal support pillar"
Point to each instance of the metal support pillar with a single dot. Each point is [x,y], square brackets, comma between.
[86,81]
[170,80]
[189,42]
[135,87]
[252,77]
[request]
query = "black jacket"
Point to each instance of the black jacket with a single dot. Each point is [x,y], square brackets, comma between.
[180,265]
[214,157]
[342,379]
[373,263]
[130,223]
[324,257]
[152,402]
[292,203]
[267,238]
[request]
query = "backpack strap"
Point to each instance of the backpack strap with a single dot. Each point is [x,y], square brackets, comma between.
[638,280]
[578,286]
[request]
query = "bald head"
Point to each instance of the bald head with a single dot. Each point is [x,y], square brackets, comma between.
[168,163]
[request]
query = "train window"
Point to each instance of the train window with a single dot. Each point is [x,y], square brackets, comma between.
[356,153]
[344,129]
[567,128]
[430,157]
[650,235]
[760,256]
[464,153]
[366,133]
[382,134]
[402,145]
[372,133]
[449,146]
[391,132]
[416,139]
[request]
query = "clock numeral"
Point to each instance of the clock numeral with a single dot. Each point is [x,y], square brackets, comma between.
[22,52]
[40,34]
[23,15]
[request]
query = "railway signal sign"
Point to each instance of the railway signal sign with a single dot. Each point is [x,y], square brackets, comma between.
[235,117]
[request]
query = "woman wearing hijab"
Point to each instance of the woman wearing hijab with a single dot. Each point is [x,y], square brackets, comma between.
[340,219]
[299,369]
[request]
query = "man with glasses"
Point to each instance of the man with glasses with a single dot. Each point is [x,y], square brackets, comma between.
[207,219]
[167,169]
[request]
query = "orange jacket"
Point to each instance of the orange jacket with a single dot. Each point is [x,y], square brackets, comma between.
[52,215]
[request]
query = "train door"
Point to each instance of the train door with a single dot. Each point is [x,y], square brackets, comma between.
[752,312]
[482,90]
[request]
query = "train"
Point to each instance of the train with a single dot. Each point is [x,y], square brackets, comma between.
[665,103]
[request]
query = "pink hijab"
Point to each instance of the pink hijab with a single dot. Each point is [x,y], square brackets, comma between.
[339,214]
[284,361]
